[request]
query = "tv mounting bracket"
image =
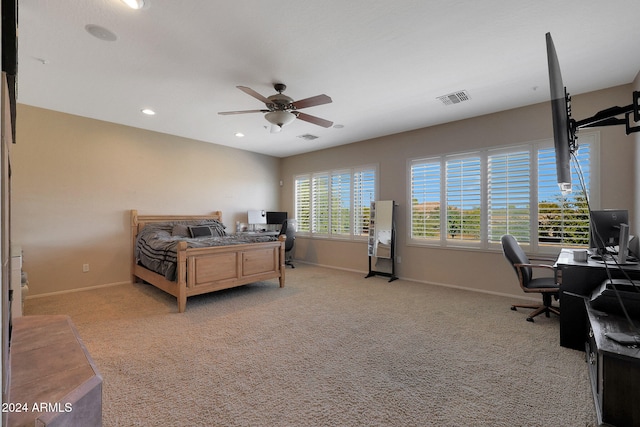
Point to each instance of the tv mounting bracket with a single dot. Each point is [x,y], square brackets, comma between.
[608,117]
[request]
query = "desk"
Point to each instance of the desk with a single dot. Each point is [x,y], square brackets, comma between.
[577,280]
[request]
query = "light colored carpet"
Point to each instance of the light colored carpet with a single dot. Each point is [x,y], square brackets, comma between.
[330,349]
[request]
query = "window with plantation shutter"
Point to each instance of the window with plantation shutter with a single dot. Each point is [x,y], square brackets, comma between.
[364,192]
[563,220]
[464,198]
[508,190]
[320,204]
[425,199]
[509,195]
[303,203]
[341,203]
[336,203]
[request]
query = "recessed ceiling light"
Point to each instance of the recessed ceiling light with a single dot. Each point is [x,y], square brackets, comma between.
[338,126]
[239,134]
[148,111]
[134,4]
[100,33]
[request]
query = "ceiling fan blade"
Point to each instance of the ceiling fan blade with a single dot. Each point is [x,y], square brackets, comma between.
[311,102]
[226,113]
[255,94]
[315,120]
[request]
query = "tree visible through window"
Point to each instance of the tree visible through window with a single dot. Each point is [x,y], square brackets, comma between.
[563,220]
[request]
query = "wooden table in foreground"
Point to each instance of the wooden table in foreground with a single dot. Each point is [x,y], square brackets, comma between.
[54,381]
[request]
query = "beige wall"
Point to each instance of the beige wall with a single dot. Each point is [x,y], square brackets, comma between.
[75,180]
[484,270]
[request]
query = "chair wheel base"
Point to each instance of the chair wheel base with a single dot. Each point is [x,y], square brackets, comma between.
[537,310]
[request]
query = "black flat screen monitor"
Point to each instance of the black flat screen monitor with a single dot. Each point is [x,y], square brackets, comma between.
[562,135]
[605,228]
[276,218]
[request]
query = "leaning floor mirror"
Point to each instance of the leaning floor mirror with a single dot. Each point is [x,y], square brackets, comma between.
[382,239]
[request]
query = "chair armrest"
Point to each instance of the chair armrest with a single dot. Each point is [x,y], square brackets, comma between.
[547,259]
[550,267]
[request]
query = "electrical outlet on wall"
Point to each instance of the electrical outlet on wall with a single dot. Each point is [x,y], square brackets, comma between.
[85,268]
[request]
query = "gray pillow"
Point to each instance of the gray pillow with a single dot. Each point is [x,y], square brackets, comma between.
[180,230]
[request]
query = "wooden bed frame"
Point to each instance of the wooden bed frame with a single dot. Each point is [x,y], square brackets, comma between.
[203,270]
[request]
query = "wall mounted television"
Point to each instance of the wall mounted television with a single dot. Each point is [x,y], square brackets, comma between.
[565,128]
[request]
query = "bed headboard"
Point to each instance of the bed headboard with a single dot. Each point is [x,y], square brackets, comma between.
[139,221]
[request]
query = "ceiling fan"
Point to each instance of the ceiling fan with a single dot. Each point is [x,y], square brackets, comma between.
[282,110]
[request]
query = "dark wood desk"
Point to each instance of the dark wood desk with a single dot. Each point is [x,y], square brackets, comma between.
[577,281]
[614,370]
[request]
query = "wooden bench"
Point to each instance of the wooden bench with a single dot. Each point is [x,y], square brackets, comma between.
[54,381]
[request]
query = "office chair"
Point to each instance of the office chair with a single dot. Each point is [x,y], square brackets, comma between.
[289,229]
[547,286]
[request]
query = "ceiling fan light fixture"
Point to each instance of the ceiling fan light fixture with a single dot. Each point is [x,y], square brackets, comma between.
[280,118]
[134,4]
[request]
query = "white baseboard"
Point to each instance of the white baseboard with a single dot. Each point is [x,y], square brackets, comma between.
[88,288]
[446,285]
[364,273]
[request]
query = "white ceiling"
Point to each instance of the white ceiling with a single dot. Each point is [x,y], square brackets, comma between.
[383,62]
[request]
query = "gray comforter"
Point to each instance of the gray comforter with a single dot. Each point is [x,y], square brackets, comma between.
[156,245]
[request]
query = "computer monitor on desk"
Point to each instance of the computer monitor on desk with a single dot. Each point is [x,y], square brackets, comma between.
[276,218]
[605,230]
[256,217]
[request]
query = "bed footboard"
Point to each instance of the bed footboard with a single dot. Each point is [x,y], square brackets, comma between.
[204,270]
[211,269]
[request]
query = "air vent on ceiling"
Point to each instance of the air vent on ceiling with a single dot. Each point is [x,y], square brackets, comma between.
[455,97]
[308,137]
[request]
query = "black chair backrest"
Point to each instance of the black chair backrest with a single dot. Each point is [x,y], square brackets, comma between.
[514,253]
[289,231]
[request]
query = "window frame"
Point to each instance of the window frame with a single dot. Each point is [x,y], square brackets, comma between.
[533,147]
[467,159]
[353,196]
